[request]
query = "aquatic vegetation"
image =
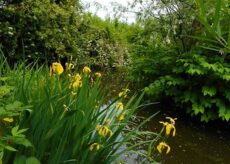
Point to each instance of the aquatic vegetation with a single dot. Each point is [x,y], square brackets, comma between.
[162,147]
[68,118]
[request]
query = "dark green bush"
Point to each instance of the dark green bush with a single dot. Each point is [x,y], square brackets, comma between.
[39,29]
[191,68]
[60,30]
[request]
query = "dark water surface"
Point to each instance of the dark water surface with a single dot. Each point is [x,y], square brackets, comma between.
[195,142]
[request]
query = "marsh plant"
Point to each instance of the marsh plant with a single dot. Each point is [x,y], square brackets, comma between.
[66,118]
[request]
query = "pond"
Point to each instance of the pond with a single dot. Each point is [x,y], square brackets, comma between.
[195,142]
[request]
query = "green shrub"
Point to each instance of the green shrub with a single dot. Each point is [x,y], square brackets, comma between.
[39,30]
[198,83]
[47,31]
[195,76]
[10,115]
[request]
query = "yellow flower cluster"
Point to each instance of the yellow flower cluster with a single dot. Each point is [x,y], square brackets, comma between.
[76,81]
[120,105]
[169,127]
[96,146]
[56,68]
[104,131]
[162,146]
[121,115]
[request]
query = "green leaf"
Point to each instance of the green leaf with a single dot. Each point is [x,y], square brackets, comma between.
[32,160]
[13,106]
[18,133]
[197,108]
[5,90]
[227,95]
[227,115]
[226,77]
[194,71]
[10,148]
[211,91]
[4,79]
[229,35]
[14,131]
[217,15]
[23,141]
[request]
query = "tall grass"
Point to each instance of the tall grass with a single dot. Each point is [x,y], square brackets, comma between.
[69,124]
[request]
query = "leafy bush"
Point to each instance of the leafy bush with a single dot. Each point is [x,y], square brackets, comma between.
[195,76]
[11,112]
[39,30]
[50,31]
[104,44]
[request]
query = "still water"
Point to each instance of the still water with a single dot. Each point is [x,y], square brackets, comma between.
[194,143]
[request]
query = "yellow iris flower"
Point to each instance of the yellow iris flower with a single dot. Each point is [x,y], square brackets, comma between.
[120,106]
[162,146]
[73,93]
[56,68]
[98,74]
[77,77]
[169,127]
[77,84]
[96,146]
[172,120]
[123,93]
[8,119]
[69,66]
[104,131]
[86,70]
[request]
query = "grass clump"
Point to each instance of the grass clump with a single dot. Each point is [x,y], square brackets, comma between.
[65,118]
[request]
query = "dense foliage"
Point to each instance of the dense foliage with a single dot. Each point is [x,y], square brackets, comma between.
[186,56]
[51,30]
[62,117]
[176,49]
